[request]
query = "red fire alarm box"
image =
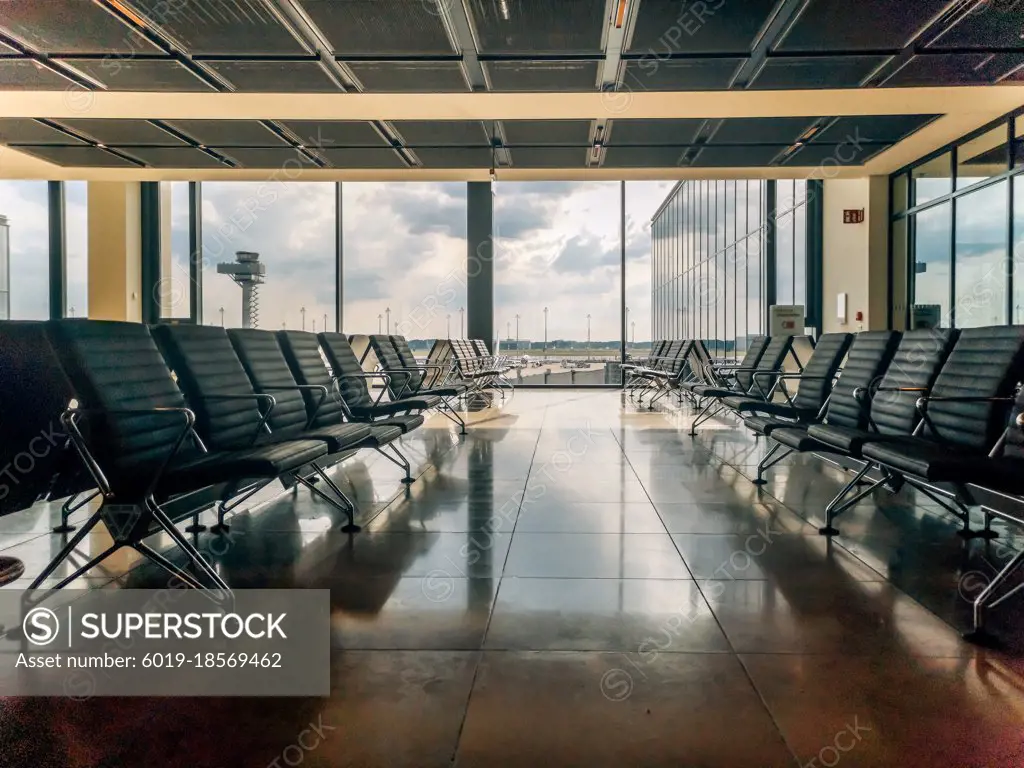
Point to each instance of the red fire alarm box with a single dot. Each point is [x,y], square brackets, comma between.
[853,216]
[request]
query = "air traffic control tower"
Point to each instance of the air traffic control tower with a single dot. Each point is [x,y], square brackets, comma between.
[248,272]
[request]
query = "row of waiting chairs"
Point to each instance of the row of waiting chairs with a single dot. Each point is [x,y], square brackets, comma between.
[938,410]
[161,413]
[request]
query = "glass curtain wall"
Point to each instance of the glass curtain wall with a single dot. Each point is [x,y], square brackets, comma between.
[642,200]
[557,280]
[24,257]
[708,262]
[292,226]
[957,220]
[76,238]
[404,260]
[791,242]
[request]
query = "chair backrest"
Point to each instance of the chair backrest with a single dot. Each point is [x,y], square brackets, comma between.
[985,363]
[772,357]
[347,371]
[480,347]
[816,379]
[408,360]
[402,383]
[870,355]
[34,392]
[700,358]
[917,362]
[206,364]
[302,352]
[667,359]
[264,362]
[755,350]
[115,367]
[658,348]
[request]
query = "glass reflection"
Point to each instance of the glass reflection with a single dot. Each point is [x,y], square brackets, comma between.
[981,257]
[932,266]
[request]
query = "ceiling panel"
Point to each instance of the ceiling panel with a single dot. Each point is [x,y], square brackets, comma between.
[266,157]
[381,27]
[443,133]
[873,128]
[224,27]
[693,75]
[762,130]
[70,26]
[666,27]
[335,133]
[547,132]
[739,157]
[646,132]
[361,158]
[85,157]
[944,69]
[275,76]
[841,25]
[228,133]
[173,157]
[23,131]
[993,25]
[643,157]
[122,133]
[455,157]
[410,77]
[538,26]
[25,74]
[847,154]
[542,76]
[795,72]
[140,74]
[550,157]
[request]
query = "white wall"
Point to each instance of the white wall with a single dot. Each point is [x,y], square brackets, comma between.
[855,255]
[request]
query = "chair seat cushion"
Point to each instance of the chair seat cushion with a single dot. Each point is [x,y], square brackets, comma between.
[340,437]
[406,423]
[848,439]
[382,434]
[796,437]
[929,460]
[444,392]
[765,425]
[706,390]
[268,461]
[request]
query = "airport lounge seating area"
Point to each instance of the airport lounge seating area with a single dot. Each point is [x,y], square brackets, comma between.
[587,383]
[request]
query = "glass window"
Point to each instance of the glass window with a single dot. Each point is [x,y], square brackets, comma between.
[291,226]
[981,277]
[899,273]
[800,256]
[1018,142]
[1018,250]
[982,157]
[932,179]
[558,247]
[404,265]
[784,272]
[642,200]
[932,266]
[25,291]
[76,238]
[175,254]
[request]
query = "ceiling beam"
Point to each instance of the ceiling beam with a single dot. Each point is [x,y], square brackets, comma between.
[775,29]
[522,106]
[614,41]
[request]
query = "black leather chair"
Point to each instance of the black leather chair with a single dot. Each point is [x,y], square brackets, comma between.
[407,381]
[736,377]
[231,414]
[36,455]
[136,436]
[756,381]
[814,384]
[302,352]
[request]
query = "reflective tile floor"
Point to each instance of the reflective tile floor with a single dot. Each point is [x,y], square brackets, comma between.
[580,583]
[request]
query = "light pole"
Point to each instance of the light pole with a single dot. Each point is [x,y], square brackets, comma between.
[222,317]
[632,327]
[380,323]
[314,326]
[508,330]
[545,330]
[462,317]
[303,313]
[448,317]
[517,333]
[588,335]
[72,311]
[387,312]
[626,324]
[325,321]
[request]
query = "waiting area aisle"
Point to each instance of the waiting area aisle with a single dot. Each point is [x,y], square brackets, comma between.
[579,582]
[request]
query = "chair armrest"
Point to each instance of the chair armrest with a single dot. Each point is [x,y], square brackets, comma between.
[269,402]
[70,418]
[303,388]
[922,402]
